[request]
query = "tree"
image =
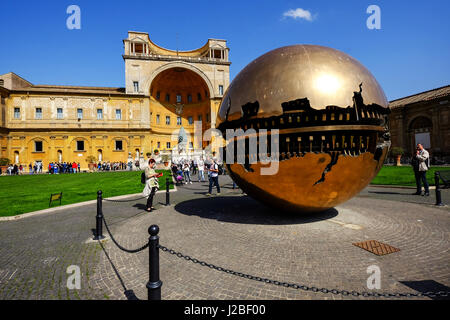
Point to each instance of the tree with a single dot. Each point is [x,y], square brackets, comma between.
[397,151]
[4,161]
[90,159]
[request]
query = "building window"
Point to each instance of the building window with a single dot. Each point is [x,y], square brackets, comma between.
[99,114]
[2,82]
[80,113]
[190,120]
[119,145]
[139,48]
[38,146]
[179,121]
[118,114]
[136,86]
[199,117]
[199,96]
[189,98]
[158,145]
[217,54]
[158,94]
[191,145]
[157,119]
[16,113]
[38,114]
[221,90]
[167,97]
[167,120]
[168,145]
[59,113]
[80,145]
[178,98]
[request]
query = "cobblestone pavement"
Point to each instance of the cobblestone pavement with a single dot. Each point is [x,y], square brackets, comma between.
[235,232]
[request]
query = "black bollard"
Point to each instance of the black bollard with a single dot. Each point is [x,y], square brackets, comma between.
[438,189]
[167,192]
[154,283]
[99,218]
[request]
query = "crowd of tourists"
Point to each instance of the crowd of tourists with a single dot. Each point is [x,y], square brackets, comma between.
[114,166]
[184,172]
[16,169]
[63,167]
[66,167]
[209,170]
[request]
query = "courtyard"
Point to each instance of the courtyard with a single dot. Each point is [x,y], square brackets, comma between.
[235,232]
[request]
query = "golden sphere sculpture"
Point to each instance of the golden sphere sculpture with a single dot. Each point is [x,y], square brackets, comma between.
[331,118]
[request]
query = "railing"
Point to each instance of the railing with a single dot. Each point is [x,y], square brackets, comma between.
[179,57]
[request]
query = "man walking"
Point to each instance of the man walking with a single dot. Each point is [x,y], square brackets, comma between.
[187,173]
[213,177]
[424,158]
[201,170]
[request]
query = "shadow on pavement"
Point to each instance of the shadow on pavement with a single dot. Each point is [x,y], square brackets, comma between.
[387,192]
[246,210]
[140,206]
[129,294]
[425,286]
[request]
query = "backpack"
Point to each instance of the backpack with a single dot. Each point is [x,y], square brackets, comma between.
[143,179]
[220,169]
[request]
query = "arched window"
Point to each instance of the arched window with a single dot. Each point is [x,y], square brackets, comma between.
[100,155]
[60,156]
[420,129]
[421,123]
[16,157]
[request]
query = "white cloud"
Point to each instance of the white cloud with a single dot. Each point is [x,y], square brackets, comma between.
[299,13]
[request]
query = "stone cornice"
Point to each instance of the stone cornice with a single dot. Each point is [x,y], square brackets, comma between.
[176,58]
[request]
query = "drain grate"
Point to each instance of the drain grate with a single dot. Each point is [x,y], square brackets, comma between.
[376,247]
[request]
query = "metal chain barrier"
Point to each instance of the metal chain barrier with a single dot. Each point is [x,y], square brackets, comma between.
[303,287]
[118,245]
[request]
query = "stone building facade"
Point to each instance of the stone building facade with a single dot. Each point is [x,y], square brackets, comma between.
[165,90]
[423,118]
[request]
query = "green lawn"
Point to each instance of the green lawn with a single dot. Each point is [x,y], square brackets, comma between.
[403,176]
[26,193]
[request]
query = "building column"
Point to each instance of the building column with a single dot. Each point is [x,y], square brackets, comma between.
[402,131]
[52,155]
[8,148]
[436,141]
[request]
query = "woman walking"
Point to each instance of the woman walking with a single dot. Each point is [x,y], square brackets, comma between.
[151,183]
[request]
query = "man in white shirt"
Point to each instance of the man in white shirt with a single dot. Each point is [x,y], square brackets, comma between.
[201,170]
[213,177]
[187,172]
[423,156]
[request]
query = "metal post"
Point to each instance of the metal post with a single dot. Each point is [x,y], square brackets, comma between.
[154,284]
[167,192]
[99,218]
[438,189]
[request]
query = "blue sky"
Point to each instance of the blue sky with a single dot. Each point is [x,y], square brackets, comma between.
[409,54]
